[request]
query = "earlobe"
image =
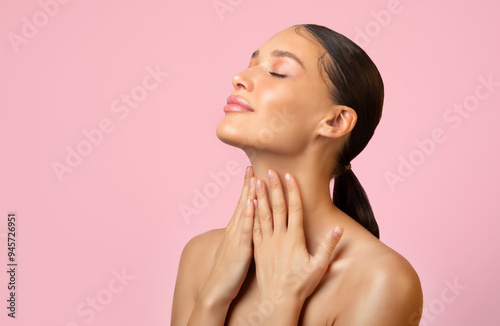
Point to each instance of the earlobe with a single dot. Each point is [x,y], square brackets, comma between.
[338,123]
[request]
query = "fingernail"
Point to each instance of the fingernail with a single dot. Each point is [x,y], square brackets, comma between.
[255,203]
[270,175]
[252,180]
[288,178]
[337,231]
[248,202]
[247,172]
[260,185]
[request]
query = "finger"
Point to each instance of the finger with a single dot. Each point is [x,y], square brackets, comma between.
[257,231]
[244,191]
[251,189]
[240,207]
[246,223]
[278,201]
[250,198]
[263,210]
[295,214]
[328,244]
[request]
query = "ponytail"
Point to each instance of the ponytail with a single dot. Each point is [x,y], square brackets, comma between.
[355,82]
[351,198]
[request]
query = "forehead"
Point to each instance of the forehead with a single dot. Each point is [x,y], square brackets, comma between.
[300,43]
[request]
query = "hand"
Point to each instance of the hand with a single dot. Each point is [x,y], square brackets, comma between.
[235,252]
[283,264]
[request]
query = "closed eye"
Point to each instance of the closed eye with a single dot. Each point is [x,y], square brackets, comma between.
[277,75]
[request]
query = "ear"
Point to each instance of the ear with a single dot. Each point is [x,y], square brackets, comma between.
[339,122]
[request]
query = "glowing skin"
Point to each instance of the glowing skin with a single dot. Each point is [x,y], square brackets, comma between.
[293,127]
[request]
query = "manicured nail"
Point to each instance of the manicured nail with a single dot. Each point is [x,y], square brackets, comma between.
[337,232]
[247,172]
[255,203]
[252,180]
[260,185]
[270,175]
[288,178]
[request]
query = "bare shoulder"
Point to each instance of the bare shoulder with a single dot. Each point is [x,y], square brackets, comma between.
[388,290]
[393,274]
[207,238]
[196,261]
[389,266]
[200,250]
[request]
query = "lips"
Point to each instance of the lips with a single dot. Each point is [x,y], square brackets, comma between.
[236,103]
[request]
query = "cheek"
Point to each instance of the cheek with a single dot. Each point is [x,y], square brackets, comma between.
[289,106]
[283,121]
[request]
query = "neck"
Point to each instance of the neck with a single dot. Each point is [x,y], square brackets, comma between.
[313,177]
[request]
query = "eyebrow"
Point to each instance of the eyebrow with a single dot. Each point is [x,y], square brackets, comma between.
[281,54]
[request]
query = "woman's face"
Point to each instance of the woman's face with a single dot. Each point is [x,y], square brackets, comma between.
[284,87]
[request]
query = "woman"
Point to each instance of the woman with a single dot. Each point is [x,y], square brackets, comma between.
[307,105]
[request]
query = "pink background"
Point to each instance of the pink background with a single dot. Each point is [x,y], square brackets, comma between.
[119,209]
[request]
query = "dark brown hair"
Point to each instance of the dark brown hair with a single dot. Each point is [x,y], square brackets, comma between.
[356,83]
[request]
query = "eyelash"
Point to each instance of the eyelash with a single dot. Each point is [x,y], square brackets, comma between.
[277,75]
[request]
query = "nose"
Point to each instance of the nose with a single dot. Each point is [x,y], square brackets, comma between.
[243,80]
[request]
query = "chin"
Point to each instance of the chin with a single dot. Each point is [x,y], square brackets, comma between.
[230,134]
[244,137]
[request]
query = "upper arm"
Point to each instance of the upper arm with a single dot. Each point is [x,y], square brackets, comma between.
[194,261]
[391,296]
